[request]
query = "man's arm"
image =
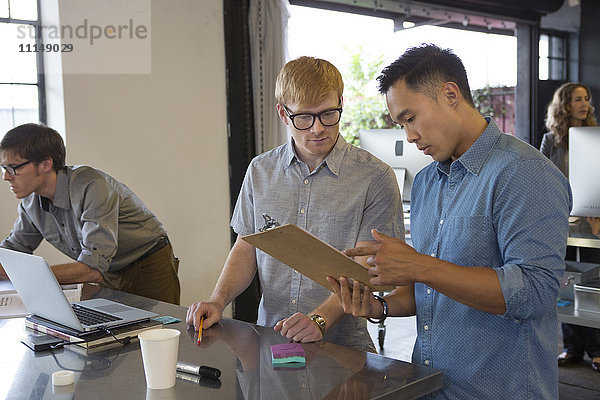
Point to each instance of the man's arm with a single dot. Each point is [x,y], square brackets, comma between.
[360,302]
[237,274]
[532,239]
[24,237]
[397,263]
[476,287]
[76,272]
[300,328]
[99,222]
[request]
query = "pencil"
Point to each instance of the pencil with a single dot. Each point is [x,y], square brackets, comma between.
[200,329]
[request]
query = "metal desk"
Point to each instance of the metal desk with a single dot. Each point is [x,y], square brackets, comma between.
[240,350]
[570,315]
[580,236]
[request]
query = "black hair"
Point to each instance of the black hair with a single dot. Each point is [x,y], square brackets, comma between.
[424,68]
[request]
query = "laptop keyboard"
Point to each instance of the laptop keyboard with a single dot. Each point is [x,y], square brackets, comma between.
[88,316]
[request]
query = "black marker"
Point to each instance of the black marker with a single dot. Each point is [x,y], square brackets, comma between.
[202,370]
[213,383]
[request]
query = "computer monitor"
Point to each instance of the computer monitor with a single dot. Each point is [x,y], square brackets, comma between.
[584,170]
[391,147]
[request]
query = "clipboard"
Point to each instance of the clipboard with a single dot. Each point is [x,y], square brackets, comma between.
[310,256]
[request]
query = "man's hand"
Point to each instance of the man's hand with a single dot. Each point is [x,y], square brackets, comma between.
[356,301]
[3,276]
[209,336]
[594,224]
[393,261]
[299,328]
[212,313]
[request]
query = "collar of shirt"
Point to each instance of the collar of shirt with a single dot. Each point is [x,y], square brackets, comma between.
[474,158]
[332,161]
[61,194]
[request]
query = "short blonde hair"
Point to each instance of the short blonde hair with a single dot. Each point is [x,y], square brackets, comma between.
[307,81]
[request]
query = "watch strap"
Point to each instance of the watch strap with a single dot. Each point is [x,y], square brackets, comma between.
[385,310]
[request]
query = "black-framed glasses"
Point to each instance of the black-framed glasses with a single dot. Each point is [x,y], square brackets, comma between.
[303,121]
[12,170]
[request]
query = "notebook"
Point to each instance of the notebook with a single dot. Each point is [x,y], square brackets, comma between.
[43,296]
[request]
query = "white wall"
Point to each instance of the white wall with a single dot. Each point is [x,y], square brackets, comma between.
[163,134]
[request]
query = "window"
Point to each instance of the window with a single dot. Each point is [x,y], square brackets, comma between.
[21,77]
[553,57]
[360,46]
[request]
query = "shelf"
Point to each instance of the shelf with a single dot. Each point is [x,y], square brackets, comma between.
[583,242]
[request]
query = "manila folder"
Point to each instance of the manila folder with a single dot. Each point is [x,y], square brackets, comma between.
[310,256]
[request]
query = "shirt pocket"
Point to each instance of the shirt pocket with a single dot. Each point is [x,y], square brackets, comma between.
[338,229]
[52,238]
[469,241]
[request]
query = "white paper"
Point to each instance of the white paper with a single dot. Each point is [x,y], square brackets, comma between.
[11,305]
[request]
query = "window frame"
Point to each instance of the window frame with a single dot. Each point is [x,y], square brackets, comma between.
[564,37]
[39,56]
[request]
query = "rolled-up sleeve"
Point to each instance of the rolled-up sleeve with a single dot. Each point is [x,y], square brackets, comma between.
[532,240]
[24,237]
[99,221]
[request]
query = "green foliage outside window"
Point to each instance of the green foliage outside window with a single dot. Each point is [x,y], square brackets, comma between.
[364,108]
[483,101]
[361,109]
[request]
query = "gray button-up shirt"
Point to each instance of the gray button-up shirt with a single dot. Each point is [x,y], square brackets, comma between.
[349,193]
[93,219]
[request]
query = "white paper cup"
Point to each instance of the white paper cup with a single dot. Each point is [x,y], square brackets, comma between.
[159,355]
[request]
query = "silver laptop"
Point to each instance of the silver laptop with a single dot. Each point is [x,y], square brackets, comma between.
[43,296]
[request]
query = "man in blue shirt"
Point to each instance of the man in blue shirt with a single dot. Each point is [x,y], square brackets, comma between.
[489,222]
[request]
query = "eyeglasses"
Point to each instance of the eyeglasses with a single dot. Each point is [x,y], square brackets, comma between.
[13,170]
[303,121]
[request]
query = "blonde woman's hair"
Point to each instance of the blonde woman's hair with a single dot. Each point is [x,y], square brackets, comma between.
[558,118]
[307,81]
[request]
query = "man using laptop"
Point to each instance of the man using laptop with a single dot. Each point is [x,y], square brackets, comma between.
[87,215]
[324,185]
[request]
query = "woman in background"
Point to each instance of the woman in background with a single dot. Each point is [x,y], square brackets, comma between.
[571,106]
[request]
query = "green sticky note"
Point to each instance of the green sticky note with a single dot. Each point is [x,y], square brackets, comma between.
[167,320]
[289,361]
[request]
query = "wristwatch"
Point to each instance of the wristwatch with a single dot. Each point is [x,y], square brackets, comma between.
[320,321]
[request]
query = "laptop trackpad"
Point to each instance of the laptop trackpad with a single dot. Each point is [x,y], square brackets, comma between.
[112,308]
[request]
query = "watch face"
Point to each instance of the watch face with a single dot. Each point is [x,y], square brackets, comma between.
[320,321]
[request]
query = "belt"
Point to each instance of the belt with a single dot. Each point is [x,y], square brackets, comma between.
[161,244]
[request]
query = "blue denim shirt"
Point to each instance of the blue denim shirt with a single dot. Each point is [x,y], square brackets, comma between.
[505,206]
